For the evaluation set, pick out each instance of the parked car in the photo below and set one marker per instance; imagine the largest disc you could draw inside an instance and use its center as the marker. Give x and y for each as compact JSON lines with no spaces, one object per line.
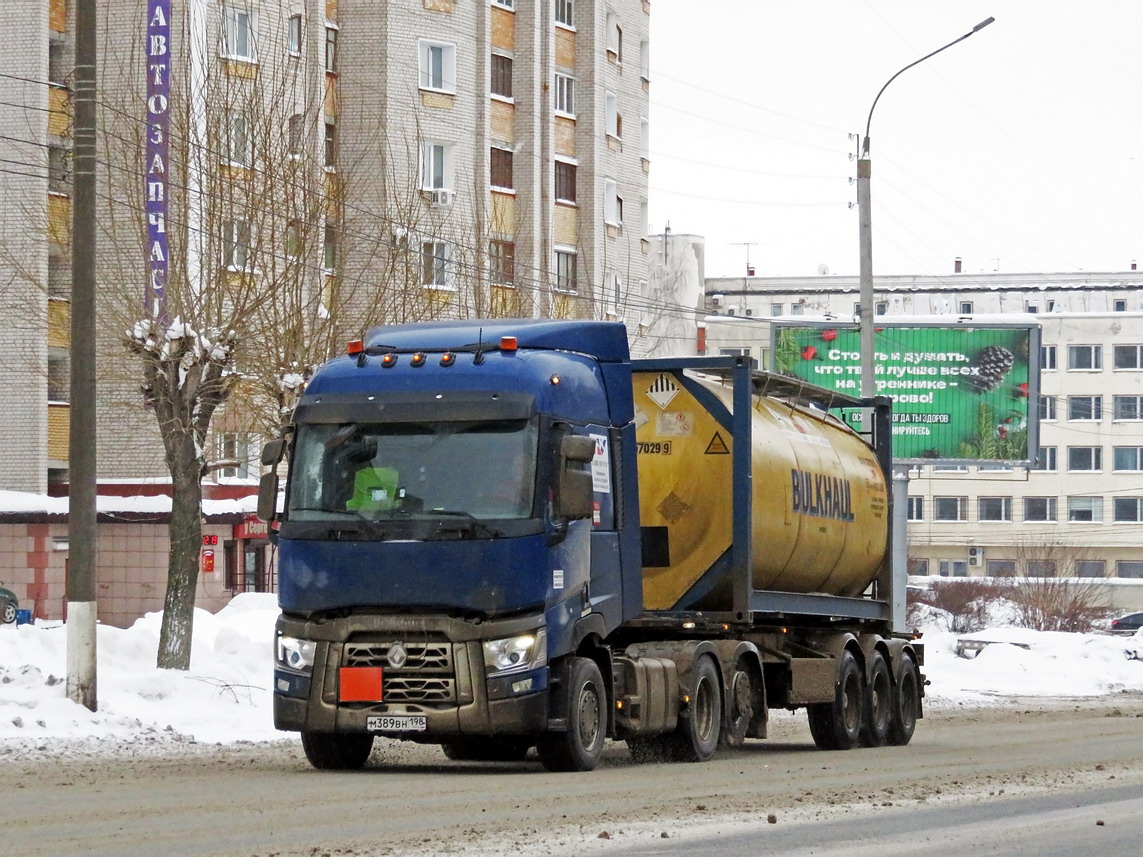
{"x":1130,"y":622}
{"x":8,"y":606}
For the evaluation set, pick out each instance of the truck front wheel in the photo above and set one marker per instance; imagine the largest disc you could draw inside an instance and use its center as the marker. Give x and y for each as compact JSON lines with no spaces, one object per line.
{"x":581,"y":746}
{"x":337,"y":751}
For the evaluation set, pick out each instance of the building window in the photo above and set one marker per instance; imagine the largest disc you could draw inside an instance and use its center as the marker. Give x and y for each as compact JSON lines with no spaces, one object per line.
{"x":1031,"y":308}
{"x":330,"y":143}
{"x":1041,"y":509}
{"x":236,"y":244}
{"x":501,"y":168}
{"x":1047,"y":357}
{"x":797,"y":309}
{"x":329,"y":247}
{"x":1085,"y":407}
{"x":611,"y":203}
{"x":1085,"y":509}
{"x":297,"y":129}
{"x":438,"y":66}
{"x":916,"y":508}
{"x":918,"y":567}
{"x":502,"y":76}
{"x":59,"y":170}
{"x":502,"y":262}
{"x":565,"y":181}
{"x":237,"y":143}
{"x":331,"y":49}
{"x":994,"y":468}
{"x":950,"y":509}
{"x":564,"y":12}
{"x":59,"y":374}
{"x":994,"y":508}
{"x":235,"y":451}
{"x":1085,"y":357}
{"x":1040,"y":568}
{"x":1128,"y":407}
{"x":966,"y":307}
{"x":238,"y":34}
{"x":1090,"y":568}
{"x":776,"y":309}
{"x":1047,"y":408}
{"x":503,"y":4}
{"x":1127,"y":457}
{"x":293,"y":243}
{"x":294,"y":35}
{"x":953,"y":568}
{"x":1127,"y":509}
{"x":1119,"y":305}
{"x":1085,"y":458}
{"x":434,"y":263}
{"x":1127,"y":356}
{"x":1128,"y":568}
{"x":1001,"y":568}
{"x":564,"y":91}
{"x":950,"y":468}
{"x":57,"y":70}
{"x":566,"y":271}
{"x":436,"y":166}
{"x":611,"y":115}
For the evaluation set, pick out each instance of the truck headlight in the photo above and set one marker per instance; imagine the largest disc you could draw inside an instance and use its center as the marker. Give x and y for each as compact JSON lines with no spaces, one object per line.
{"x":516,"y":654}
{"x":294,"y":653}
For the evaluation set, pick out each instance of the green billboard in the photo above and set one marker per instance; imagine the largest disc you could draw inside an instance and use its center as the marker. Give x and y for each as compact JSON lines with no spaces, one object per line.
{"x":960,"y":393}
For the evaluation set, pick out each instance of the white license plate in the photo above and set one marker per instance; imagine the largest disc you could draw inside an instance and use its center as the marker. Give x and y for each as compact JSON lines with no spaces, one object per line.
{"x":397,"y":723}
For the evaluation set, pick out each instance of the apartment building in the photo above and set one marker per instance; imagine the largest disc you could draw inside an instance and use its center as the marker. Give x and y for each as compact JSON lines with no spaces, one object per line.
{"x":1078,"y":510}
{"x":440,"y":158}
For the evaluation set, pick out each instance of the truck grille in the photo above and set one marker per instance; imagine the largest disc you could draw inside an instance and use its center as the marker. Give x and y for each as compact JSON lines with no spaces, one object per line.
{"x":426,"y":676}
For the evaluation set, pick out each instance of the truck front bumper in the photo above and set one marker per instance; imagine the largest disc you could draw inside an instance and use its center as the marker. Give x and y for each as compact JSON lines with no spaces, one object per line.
{"x":442,"y":678}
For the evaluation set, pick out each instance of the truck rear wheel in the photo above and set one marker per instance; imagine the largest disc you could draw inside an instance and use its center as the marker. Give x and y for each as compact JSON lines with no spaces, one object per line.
{"x":581,"y":746}
{"x":337,"y":751}
{"x":878,"y":703}
{"x":906,"y":703}
{"x":696,"y":737}
{"x":837,"y":725}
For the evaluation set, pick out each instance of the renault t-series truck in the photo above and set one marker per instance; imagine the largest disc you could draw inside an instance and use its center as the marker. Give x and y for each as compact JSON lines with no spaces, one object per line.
{"x":505,"y":534}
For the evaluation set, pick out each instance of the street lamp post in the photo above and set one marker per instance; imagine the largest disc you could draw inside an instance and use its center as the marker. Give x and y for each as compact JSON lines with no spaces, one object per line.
{"x":865,"y":228}
{"x":899,"y":558}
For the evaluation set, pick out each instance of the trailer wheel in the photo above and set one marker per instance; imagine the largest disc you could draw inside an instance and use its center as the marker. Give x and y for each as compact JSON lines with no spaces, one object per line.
{"x":581,"y":746}
{"x":906,"y":703}
{"x":696,"y":737}
{"x":837,"y":725}
{"x":487,"y":748}
{"x":878,"y":703}
{"x":337,"y":751}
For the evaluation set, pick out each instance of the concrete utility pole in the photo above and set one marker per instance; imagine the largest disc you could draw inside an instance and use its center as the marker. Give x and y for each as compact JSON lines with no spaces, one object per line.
{"x":900,"y":487}
{"x":81,"y":571}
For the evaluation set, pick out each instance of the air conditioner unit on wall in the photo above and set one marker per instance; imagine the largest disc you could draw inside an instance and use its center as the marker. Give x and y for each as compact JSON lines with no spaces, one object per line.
{"x":440,"y":196}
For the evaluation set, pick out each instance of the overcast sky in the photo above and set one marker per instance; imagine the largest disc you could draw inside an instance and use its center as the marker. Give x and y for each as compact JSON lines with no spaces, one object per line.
{"x":1018,"y":149}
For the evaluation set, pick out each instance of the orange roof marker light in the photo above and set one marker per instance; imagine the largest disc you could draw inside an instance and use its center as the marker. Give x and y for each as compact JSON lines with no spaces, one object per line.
{"x":355,"y":346}
{"x":418,"y":359}
{"x":389,"y":361}
{"x":448,"y":358}
{"x":508,"y":343}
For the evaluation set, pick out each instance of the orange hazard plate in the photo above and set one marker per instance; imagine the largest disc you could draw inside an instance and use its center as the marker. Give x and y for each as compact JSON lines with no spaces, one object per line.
{"x":360,"y":684}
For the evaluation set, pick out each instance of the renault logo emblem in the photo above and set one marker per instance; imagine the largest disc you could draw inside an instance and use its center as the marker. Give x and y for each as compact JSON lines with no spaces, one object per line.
{"x":397,"y":656}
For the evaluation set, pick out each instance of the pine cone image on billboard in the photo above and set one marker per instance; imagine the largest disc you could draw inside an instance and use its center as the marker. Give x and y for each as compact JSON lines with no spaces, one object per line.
{"x":992,"y":363}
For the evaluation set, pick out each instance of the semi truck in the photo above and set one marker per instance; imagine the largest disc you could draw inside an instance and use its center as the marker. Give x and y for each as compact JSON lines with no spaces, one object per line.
{"x":500,"y":535}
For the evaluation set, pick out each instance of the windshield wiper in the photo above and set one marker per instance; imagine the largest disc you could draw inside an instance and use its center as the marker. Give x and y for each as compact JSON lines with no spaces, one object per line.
{"x":474,"y":524}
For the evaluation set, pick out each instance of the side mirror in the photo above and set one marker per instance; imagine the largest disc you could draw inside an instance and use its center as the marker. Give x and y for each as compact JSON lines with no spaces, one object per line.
{"x":272,"y":452}
{"x":574,"y":485}
{"x":268,"y":496}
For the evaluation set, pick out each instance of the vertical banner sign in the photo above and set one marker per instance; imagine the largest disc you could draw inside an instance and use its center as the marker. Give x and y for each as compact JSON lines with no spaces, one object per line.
{"x":158,"y":127}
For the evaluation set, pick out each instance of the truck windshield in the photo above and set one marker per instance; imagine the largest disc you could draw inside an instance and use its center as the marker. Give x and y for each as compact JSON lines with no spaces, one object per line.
{"x":486,"y":470}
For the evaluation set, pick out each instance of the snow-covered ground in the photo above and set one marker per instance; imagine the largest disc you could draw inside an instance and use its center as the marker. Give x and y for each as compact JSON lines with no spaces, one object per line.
{"x":226,"y":695}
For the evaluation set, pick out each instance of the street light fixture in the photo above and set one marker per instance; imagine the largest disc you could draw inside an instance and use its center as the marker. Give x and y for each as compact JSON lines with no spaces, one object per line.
{"x":865,"y":229}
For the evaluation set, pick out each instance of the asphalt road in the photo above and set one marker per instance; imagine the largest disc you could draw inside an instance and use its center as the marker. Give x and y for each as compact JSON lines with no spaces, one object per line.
{"x":1020,"y":779}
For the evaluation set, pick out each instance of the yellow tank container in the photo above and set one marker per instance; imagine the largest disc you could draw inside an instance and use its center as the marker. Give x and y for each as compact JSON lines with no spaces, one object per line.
{"x":820,"y":502}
